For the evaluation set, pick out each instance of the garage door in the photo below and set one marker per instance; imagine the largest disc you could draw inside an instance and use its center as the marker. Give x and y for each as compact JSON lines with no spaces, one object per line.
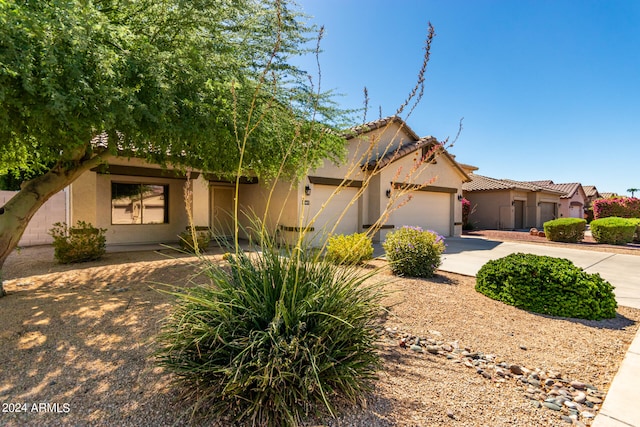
{"x":330,"y":215}
{"x":575,"y":210}
{"x":547,"y":211}
{"x":431,"y":211}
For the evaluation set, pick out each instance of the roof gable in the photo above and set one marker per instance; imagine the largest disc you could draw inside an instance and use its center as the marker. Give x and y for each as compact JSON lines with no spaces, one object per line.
{"x":414,"y":144}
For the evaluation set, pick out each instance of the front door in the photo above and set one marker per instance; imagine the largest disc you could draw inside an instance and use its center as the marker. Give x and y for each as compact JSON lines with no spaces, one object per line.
{"x":519,"y":214}
{"x":222,"y":212}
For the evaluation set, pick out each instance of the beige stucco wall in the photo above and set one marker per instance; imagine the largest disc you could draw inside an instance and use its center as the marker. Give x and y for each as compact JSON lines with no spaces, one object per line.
{"x":281,"y":210}
{"x":90,"y":201}
{"x":564,"y":207}
{"x":486,"y":209}
{"x":362,"y":148}
{"x":200,"y":201}
{"x":494,"y":209}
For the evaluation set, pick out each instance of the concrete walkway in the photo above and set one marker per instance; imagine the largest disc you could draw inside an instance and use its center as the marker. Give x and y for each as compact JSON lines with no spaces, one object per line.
{"x":621,"y":408}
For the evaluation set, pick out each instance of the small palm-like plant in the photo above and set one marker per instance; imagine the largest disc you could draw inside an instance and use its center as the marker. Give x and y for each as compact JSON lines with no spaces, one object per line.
{"x":275,"y":337}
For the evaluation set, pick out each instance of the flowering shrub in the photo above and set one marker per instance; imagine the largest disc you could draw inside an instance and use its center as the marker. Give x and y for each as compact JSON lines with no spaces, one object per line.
{"x":466,"y":211}
{"x":350,"y":249}
{"x":414,"y":252}
{"x":623,"y":207}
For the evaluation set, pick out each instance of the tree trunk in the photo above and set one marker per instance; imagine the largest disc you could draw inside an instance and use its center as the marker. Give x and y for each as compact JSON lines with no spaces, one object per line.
{"x":18,"y":211}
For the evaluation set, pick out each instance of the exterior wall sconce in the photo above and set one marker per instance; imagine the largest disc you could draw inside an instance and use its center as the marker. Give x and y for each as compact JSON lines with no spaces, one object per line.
{"x":459,"y":197}
{"x":388,"y":193}
{"x":307,"y":190}
{"x":513,"y":203}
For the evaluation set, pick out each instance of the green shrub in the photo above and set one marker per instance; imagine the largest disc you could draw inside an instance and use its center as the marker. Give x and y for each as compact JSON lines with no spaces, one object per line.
{"x":614,"y":230}
{"x":81,"y":243}
{"x":203,"y":238}
{"x":413,"y":252}
{"x":636,"y":236}
{"x":547,"y":285}
{"x":570,"y":230}
{"x":274,"y":337}
{"x":350,"y":249}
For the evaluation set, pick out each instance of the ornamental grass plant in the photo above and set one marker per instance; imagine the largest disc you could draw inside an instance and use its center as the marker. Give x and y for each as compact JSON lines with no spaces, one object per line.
{"x":274,"y":337}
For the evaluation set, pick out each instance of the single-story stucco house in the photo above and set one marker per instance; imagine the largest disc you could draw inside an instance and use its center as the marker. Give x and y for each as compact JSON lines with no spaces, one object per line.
{"x":138,"y":202}
{"x":506,"y":204}
{"x":573,"y":200}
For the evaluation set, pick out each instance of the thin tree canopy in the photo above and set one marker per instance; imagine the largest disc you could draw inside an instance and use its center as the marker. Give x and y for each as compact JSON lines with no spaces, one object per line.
{"x":165,"y":80}
{"x":187,"y":83}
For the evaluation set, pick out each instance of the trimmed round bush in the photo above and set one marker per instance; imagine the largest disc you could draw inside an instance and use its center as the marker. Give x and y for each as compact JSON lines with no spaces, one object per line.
{"x":547,"y":285}
{"x":614,"y":230}
{"x":413,"y":252}
{"x":569,"y":230}
{"x":349,"y":249}
{"x":275,"y":337}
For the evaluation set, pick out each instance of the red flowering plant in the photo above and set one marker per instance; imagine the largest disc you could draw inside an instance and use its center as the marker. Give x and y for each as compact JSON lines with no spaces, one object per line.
{"x":622,"y":207}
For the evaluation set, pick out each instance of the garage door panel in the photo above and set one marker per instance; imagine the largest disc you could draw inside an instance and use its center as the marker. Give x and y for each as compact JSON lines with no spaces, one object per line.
{"x":428,"y":210}
{"x":332,"y":214}
{"x":547,"y":211}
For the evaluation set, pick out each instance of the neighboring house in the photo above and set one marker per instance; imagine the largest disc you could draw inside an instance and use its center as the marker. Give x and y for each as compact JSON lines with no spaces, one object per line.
{"x":608,"y":195}
{"x":592,"y":193}
{"x":573,"y":201}
{"x":137,"y":202}
{"x":506,"y":204}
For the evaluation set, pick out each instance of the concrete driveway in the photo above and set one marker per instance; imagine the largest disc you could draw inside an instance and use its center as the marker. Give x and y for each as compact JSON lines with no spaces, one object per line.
{"x":465,"y":255}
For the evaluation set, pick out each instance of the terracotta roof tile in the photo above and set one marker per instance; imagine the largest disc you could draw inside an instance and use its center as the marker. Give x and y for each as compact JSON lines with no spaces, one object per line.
{"x":403,"y":150}
{"x":590,"y":190}
{"x":377,"y":124}
{"x":484,"y":183}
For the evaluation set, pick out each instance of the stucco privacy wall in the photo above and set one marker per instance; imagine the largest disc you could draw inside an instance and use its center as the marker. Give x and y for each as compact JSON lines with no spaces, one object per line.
{"x":37,"y":232}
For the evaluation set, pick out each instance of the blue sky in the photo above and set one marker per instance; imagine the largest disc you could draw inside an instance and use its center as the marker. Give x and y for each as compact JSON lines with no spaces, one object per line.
{"x":547,"y":89}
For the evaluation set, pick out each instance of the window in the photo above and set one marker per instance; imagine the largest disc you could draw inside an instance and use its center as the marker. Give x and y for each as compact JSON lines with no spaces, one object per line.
{"x":139,"y":203}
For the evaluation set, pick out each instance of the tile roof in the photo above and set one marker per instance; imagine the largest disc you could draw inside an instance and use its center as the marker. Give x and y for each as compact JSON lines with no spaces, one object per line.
{"x":403,"y":150}
{"x":484,"y":183}
{"x":590,"y":190}
{"x":377,"y":124}
{"x":568,"y":189}
{"x":608,"y":195}
{"x":544,"y":183}
{"x":406,"y":148}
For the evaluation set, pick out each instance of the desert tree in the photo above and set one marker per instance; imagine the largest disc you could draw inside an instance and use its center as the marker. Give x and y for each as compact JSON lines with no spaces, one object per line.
{"x":162,"y":80}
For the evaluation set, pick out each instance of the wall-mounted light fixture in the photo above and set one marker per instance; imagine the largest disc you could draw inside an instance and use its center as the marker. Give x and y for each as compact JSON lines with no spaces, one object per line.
{"x":459,"y":197}
{"x":388,"y":193}
{"x":513,"y":203}
{"x":307,"y":190}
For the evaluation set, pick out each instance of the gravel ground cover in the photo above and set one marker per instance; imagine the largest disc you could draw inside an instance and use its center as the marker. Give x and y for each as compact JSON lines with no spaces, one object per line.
{"x":77,"y":341}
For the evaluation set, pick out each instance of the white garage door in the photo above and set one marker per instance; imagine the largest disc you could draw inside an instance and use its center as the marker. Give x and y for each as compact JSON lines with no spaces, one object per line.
{"x":330,"y":215}
{"x":429,"y":210}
